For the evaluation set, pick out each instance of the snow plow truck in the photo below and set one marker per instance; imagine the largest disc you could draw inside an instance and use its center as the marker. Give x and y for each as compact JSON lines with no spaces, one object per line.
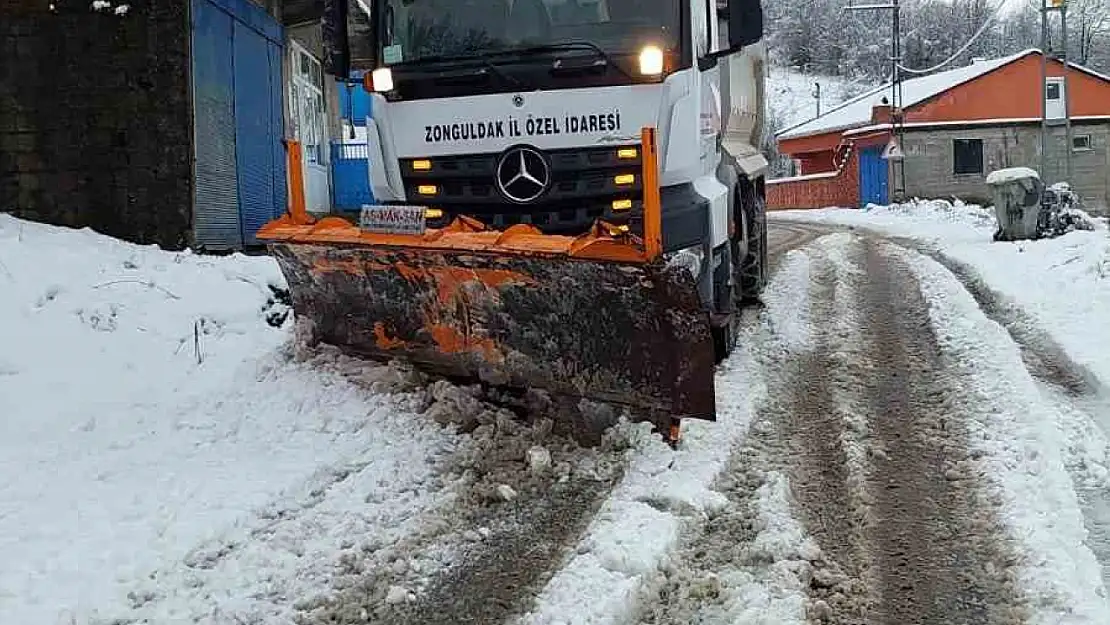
{"x":568,"y":196}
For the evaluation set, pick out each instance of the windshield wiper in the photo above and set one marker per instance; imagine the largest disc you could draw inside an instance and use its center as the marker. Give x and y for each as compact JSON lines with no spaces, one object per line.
{"x":567,"y":45}
{"x":487,"y":67}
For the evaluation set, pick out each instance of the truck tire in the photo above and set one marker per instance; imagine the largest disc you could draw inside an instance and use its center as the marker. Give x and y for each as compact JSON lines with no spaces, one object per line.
{"x":753,"y":268}
{"x":724,"y":336}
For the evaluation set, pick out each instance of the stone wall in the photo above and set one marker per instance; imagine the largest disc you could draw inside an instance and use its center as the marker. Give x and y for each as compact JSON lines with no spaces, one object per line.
{"x":929,"y":160}
{"x":95,"y":117}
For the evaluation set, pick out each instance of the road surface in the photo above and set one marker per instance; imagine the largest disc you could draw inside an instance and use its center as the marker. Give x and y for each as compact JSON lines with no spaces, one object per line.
{"x":859,"y":424}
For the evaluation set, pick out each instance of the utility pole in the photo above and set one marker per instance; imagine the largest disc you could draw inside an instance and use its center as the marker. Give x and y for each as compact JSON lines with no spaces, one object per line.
{"x":896,"y":114}
{"x":1061,"y":7}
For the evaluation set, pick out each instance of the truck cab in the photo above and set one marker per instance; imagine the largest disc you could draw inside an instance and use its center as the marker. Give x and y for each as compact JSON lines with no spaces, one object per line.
{"x":530,"y":112}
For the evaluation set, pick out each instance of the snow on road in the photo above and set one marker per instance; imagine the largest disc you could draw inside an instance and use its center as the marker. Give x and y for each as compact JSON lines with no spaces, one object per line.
{"x":616,"y":566}
{"x":1052,"y":298}
{"x":1017,"y":441}
{"x":1062,"y":283}
{"x":163,"y":456}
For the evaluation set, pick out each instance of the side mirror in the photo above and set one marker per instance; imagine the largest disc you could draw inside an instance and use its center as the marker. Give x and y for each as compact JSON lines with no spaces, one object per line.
{"x":745,"y":22}
{"x":337,"y":47}
{"x":745,"y":27}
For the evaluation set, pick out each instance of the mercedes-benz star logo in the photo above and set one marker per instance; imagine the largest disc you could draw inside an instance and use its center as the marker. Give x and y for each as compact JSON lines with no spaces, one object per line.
{"x":523,"y":174}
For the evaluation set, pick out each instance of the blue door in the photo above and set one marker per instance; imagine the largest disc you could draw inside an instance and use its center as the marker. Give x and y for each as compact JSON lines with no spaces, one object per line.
{"x":215,"y":188}
{"x":872,"y":176}
{"x":240,"y":182}
{"x":350,"y":165}
{"x":354,"y":102}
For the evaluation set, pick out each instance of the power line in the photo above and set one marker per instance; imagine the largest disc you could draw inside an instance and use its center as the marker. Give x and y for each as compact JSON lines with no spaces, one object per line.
{"x":982,"y":29}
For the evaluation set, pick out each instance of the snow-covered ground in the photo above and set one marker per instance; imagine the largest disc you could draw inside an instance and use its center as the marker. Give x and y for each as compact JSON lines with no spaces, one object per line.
{"x":1053,"y":297}
{"x":163,"y":455}
{"x":617,"y":563}
{"x":1017,"y":440}
{"x":166,"y":455}
{"x":1062,"y":283}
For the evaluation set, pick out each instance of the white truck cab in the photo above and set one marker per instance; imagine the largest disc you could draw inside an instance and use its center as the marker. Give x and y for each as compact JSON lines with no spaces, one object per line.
{"x":530,"y":111}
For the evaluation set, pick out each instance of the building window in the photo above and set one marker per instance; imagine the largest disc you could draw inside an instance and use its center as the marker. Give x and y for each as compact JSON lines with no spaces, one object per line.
{"x":1052,"y":91}
{"x":307,"y":103}
{"x":967,"y":156}
{"x":1081,"y":143}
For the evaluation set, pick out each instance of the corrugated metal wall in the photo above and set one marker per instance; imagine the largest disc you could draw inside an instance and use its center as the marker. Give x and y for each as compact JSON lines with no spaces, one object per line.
{"x":216,"y":199}
{"x":240,"y":168}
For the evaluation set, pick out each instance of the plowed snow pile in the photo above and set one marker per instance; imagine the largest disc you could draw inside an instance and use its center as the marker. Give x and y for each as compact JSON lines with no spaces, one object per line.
{"x":164,"y":455}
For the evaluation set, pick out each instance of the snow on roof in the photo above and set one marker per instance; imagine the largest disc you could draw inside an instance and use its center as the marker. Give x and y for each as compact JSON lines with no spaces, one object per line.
{"x":857,"y":111}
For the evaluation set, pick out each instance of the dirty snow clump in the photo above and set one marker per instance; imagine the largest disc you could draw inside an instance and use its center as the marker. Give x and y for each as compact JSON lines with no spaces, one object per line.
{"x":1063,"y":213}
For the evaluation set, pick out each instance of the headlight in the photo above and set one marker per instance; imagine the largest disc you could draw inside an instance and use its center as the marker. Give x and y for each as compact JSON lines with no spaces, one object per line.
{"x":651,"y":61}
{"x":382,"y":79}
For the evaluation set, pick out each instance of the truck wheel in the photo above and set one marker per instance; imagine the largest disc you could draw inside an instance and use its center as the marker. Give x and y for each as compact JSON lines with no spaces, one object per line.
{"x":724,"y":335}
{"x":724,"y":339}
{"x":753,"y":268}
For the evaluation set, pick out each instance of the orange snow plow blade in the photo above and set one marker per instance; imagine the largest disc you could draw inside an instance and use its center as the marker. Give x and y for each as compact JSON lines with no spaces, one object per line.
{"x":599,"y":316}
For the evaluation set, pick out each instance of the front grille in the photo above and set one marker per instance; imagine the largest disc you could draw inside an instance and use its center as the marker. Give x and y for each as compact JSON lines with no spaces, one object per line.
{"x":583,"y":188}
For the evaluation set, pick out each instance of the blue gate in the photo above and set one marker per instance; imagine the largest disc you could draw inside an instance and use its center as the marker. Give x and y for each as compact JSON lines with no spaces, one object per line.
{"x":350,"y":172}
{"x":240,"y":180}
{"x":872,"y":176}
{"x":354,"y":102}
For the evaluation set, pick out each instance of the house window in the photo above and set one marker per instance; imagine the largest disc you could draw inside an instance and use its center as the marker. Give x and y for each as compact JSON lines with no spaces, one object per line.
{"x":1081,"y":143}
{"x":307,"y":102}
{"x":1052,"y":91}
{"x":967,"y":156}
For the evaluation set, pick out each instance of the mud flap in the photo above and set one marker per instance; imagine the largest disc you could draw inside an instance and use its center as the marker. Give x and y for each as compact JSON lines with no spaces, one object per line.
{"x":623,"y":333}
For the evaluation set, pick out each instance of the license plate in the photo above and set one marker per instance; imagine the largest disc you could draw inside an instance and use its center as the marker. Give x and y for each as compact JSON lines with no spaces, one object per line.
{"x":392,"y":219}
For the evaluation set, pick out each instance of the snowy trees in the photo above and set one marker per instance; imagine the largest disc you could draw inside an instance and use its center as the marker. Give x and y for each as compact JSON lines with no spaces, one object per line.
{"x":820,"y":36}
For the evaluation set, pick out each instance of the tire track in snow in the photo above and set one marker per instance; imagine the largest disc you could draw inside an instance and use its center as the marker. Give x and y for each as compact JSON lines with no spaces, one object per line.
{"x":1018,"y":448}
{"x":514,"y":513}
{"x":753,"y":561}
{"x":1043,"y":356}
{"x":1084,"y":402}
{"x":899,"y":531}
{"x":935,"y":538}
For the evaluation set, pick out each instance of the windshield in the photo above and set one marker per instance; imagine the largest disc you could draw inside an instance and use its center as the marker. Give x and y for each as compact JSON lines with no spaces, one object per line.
{"x":415,"y":30}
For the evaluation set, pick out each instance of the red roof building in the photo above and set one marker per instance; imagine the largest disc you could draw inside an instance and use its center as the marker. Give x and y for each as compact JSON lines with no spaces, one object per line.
{"x":959,"y":125}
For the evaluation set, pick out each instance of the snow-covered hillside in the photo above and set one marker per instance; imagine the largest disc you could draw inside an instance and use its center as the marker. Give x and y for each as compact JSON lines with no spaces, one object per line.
{"x":790,"y":94}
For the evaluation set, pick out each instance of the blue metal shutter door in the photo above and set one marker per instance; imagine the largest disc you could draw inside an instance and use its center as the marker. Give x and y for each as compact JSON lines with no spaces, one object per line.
{"x":254,"y":153}
{"x":277,"y":130}
{"x":216,"y":203}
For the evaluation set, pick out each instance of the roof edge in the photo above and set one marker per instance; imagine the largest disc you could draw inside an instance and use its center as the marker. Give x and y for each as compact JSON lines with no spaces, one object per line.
{"x":1006,"y":60}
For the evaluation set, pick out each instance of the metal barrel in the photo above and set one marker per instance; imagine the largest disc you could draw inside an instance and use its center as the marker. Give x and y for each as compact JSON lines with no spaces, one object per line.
{"x":631,"y":334}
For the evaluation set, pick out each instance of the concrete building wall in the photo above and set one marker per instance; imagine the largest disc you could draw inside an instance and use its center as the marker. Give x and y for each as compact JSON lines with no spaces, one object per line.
{"x":930,"y":160}
{"x":96,"y":118}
